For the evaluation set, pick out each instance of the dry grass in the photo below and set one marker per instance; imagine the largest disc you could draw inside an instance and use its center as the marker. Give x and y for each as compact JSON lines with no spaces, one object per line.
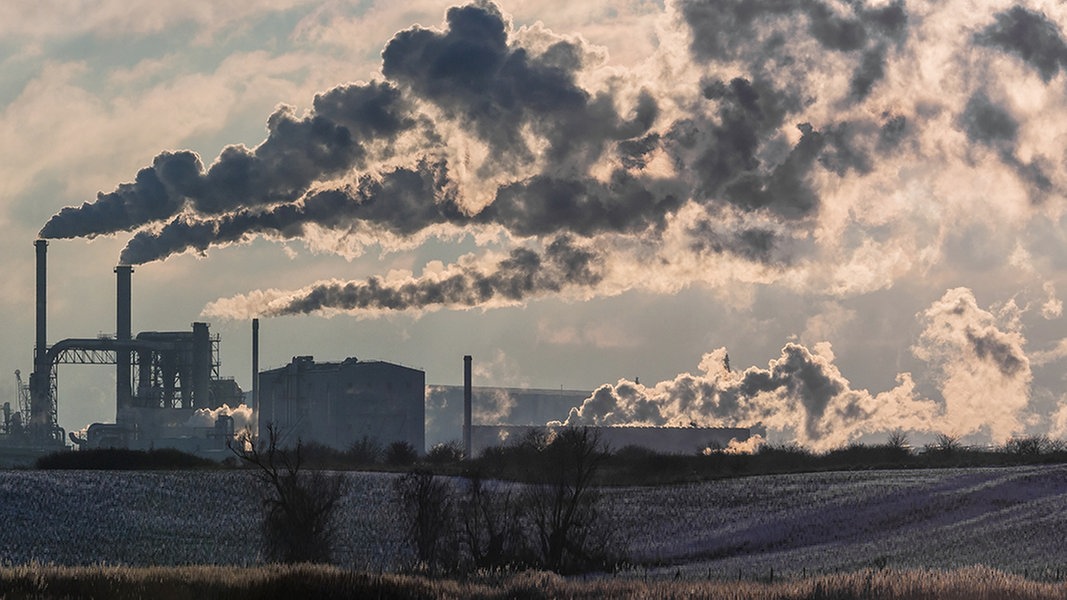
{"x":309,"y":581}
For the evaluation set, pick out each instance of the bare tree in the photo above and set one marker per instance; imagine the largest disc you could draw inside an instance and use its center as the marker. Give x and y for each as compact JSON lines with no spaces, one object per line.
{"x":492,"y":522}
{"x":564,"y":507}
{"x":299,"y":505}
{"x":947,"y":443}
{"x":898,"y":440}
{"x":428,"y":505}
{"x":554,"y":522}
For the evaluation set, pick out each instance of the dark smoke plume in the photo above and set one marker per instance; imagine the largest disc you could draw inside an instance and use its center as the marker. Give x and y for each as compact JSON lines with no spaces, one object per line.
{"x":472,"y":73}
{"x":525,"y":273}
{"x":404,"y":200}
{"x":750,"y":30}
{"x":1031,"y":36}
{"x":987,"y":122}
{"x":296,"y":153}
{"x":560,"y":161}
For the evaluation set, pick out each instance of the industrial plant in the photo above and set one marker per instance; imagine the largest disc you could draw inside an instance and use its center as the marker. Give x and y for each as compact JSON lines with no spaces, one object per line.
{"x":169,"y":393}
{"x":162,"y":379}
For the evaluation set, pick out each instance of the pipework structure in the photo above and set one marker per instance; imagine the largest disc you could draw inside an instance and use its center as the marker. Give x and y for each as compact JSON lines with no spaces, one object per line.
{"x":161,"y":377}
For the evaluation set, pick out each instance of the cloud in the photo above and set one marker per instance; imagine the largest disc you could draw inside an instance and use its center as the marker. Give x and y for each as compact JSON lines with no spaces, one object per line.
{"x":983,"y":372}
{"x":57,"y":19}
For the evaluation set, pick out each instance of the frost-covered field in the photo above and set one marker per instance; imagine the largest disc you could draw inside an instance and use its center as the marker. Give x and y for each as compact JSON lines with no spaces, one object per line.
{"x":168,"y":518}
{"x":1014,"y":519}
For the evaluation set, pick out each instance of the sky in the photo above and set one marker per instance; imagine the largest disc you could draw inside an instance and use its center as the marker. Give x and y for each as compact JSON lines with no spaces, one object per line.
{"x":836,"y":219}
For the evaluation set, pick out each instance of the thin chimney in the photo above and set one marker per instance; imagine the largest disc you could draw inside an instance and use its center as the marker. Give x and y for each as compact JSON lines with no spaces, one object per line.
{"x":42,"y":303}
{"x":255,"y":364}
{"x":467,"y":407}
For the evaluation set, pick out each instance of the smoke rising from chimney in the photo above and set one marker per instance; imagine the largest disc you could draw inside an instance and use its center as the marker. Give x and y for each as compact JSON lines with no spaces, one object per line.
{"x":298,"y":152}
{"x":983,"y":378}
{"x":801,"y":391}
{"x":559,"y":159}
{"x":523,"y":274}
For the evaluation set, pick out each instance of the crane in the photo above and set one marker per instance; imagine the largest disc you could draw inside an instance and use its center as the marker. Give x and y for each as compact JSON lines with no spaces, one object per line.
{"x":13,"y":423}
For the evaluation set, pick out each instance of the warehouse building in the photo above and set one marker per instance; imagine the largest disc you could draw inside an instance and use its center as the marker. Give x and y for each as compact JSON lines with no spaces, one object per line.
{"x":339,"y":403}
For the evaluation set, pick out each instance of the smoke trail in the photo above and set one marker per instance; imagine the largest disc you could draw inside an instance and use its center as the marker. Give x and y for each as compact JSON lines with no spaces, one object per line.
{"x":769,"y":133}
{"x":523,"y":274}
{"x":405,"y":201}
{"x":511,"y":98}
{"x":298,"y":151}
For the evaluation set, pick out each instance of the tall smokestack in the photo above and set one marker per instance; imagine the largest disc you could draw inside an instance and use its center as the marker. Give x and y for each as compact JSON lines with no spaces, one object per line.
{"x":123,"y":333}
{"x":255,"y":364}
{"x":467,"y":407}
{"x":40,"y":379}
{"x":42,"y":303}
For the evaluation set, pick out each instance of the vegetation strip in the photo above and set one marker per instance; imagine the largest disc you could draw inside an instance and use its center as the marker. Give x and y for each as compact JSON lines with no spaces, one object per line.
{"x":318,"y":581}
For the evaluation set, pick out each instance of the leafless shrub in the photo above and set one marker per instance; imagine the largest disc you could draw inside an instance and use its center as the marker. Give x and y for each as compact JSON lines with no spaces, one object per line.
{"x":946,"y":444}
{"x":364,"y":451}
{"x":428,"y":505}
{"x":898,"y":440}
{"x":493,"y":527}
{"x":564,"y":508}
{"x":399,"y":454}
{"x":444,"y":453}
{"x":1029,"y":446}
{"x":299,"y":505}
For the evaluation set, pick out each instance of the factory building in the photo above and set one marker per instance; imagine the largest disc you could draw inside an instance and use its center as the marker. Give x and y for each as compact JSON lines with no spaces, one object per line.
{"x":338,"y":403}
{"x":494,"y":405}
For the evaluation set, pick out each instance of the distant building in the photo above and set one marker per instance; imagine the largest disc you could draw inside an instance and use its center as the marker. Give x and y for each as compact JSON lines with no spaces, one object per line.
{"x":338,"y":403}
{"x":495,"y":405}
{"x":665,"y":440}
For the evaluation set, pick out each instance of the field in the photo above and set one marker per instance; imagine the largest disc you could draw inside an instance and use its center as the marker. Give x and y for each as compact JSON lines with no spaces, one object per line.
{"x":786,"y":527}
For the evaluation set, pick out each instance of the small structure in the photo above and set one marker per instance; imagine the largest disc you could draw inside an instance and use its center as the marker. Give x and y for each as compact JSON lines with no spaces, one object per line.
{"x":340,"y":403}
